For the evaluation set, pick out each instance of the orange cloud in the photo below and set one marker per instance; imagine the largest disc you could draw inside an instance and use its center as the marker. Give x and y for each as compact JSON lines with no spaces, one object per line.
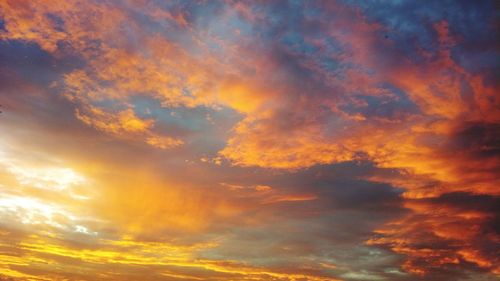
{"x":294,"y":114}
{"x":443,"y":232}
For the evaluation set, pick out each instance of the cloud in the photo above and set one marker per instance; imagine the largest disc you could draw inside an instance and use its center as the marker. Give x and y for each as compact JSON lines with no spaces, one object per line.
{"x":449,"y":231}
{"x":365,"y":132}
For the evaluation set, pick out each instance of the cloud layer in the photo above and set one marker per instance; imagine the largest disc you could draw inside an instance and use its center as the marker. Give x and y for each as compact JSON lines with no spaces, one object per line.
{"x":242,"y":140}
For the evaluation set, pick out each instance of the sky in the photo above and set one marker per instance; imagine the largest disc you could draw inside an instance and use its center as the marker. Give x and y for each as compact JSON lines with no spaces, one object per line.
{"x":249,"y":140}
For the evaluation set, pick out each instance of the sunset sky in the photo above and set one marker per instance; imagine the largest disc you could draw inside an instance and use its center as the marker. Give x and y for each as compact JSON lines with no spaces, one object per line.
{"x":249,"y":140}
